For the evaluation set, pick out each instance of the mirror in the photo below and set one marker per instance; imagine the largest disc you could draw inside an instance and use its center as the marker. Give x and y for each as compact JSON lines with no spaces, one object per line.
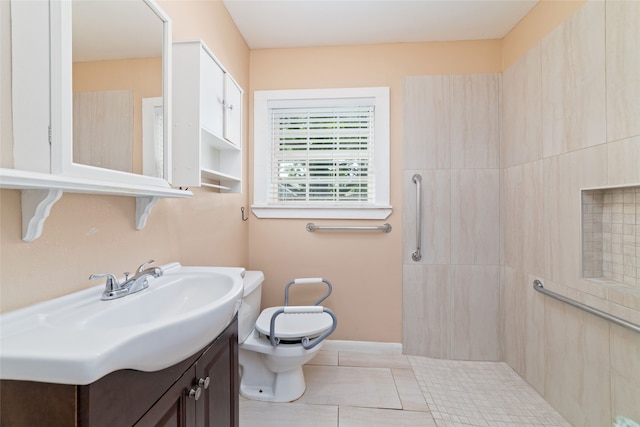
{"x":117,"y":84}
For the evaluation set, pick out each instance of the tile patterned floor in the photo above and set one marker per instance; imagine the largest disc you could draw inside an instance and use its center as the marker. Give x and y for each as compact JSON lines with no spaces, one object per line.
{"x":353,"y":389}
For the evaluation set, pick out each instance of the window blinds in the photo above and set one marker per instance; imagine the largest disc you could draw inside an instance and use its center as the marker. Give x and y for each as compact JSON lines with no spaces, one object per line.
{"x":322,"y":155}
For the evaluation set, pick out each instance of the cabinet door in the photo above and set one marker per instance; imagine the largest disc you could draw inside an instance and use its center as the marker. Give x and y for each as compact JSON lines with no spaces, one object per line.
{"x":233,"y":111}
{"x":175,"y":408}
{"x":212,"y":94}
{"x":218,"y":406}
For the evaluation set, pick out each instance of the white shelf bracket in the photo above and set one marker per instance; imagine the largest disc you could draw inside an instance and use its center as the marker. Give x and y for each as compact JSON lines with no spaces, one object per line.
{"x":143,"y":209}
{"x":36,"y":206}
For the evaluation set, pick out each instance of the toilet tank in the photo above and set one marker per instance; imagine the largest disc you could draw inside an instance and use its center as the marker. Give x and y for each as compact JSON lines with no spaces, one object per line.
{"x":250,"y":308}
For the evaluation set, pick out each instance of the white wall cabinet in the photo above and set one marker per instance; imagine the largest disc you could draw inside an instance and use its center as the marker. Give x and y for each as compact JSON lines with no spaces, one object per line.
{"x":207,"y":120}
{"x":233,"y":111}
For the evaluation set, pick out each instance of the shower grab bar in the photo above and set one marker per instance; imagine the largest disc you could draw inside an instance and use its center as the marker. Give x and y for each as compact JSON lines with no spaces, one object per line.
{"x":311,"y":227}
{"x":417,"y":254}
{"x":537,"y":285}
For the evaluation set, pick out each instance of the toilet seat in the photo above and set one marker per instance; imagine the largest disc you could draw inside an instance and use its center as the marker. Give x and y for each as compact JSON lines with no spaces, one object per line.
{"x":294,"y":326}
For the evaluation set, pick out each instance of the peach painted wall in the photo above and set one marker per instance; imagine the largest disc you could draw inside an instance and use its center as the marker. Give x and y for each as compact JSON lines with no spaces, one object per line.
{"x":92,"y":234}
{"x":365,"y":269}
{"x":540,"y":21}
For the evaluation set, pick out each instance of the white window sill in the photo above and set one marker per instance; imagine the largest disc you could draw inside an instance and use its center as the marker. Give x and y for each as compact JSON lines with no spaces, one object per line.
{"x":315,"y":212}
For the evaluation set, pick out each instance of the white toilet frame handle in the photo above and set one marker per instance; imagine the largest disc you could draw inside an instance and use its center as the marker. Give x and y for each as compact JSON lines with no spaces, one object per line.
{"x":306,"y":342}
{"x":308,"y":281}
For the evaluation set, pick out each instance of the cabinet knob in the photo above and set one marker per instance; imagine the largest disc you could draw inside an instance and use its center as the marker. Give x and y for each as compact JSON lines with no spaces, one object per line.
{"x":195,"y":393}
{"x":204,"y":382}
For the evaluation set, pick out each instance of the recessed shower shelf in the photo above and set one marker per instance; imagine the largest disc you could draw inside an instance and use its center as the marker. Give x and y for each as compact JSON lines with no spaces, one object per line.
{"x":610,"y":236}
{"x":40,"y":191}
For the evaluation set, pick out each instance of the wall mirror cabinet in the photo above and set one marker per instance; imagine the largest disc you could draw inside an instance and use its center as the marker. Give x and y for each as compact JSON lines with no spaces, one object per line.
{"x":89,"y":99}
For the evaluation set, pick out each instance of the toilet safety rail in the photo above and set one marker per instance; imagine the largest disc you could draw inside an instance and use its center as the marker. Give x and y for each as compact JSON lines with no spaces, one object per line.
{"x":295,"y":309}
{"x":308,"y":281}
{"x":537,"y":285}
{"x":311,"y":227}
{"x":417,"y":254}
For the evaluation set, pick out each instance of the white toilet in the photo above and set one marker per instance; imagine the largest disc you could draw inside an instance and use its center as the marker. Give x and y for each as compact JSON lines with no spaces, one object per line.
{"x":274,"y":344}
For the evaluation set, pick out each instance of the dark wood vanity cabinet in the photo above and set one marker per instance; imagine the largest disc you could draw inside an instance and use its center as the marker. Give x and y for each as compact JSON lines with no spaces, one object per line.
{"x":200,"y":391}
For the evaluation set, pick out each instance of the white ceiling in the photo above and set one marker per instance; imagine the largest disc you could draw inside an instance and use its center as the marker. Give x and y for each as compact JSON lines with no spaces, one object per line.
{"x":303,"y":23}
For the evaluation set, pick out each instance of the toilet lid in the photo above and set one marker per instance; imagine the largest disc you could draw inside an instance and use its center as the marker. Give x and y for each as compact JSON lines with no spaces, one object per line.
{"x":291,"y":326}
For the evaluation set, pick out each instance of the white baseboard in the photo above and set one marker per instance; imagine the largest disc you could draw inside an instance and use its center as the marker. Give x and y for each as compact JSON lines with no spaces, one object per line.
{"x":363,"y":346}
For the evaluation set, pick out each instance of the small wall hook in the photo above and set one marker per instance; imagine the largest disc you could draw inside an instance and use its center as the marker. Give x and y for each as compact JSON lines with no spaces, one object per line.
{"x":242,"y":210}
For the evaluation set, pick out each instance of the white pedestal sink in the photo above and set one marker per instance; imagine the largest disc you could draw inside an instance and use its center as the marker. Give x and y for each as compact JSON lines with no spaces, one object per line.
{"x":78,"y":338}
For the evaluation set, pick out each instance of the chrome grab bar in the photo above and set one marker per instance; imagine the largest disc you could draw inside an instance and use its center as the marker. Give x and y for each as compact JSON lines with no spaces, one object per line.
{"x":311,"y":227}
{"x":417,"y":254}
{"x":537,"y":285}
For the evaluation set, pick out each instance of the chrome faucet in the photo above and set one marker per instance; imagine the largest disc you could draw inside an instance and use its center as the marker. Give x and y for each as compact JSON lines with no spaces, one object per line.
{"x":129,"y":286}
{"x":140,"y":280}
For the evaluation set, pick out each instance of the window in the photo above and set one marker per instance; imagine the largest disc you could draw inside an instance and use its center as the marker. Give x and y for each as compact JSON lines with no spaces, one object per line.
{"x":322,"y":153}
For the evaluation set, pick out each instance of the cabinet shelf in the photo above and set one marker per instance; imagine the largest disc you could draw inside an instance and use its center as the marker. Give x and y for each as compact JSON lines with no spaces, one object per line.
{"x":218,"y":176}
{"x":40,"y":191}
{"x":210,"y":138}
{"x":228,"y":183}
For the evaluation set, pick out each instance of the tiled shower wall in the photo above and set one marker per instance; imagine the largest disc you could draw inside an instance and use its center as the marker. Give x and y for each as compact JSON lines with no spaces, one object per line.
{"x":611,"y":236}
{"x":569,"y":116}
{"x":570,"y":121}
{"x":451,"y":297}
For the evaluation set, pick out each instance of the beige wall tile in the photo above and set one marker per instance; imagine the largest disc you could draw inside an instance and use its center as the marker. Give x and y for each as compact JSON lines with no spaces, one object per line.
{"x":561,"y":351}
{"x":524,"y":231}
{"x":502,"y":211}
{"x":577,"y":373}
{"x":623,"y":69}
{"x":475,"y":216}
{"x":532,"y":219}
{"x":534,"y":357}
{"x":426,"y":314}
{"x":625,"y":373}
{"x":475,"y":313}
{"x":573,"y":82}
{"x":564,"y":177}
{"x":623,"y":159}
{"x":426,"y":123}
{"x":522,"y":110}
{"x":514,"y":199}
{"x":524,"y":334}
{"x":474,"y":223}
{"x":475,"y":120}
{"x":514,"y":323}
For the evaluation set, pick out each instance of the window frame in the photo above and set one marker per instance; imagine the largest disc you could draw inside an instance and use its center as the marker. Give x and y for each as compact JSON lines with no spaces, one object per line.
{"x":262,"y":207}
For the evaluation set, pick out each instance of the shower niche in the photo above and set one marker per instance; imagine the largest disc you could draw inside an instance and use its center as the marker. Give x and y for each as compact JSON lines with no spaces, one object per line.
{"x":611,"y":236}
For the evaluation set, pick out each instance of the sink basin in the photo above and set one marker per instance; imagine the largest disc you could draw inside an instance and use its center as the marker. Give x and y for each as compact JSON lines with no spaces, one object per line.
{"x":78,"y":338}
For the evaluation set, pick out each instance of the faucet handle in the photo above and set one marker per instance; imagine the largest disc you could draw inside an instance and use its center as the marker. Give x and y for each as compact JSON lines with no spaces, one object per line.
{"x":141,"y":268}
{"x":112,"y":281}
